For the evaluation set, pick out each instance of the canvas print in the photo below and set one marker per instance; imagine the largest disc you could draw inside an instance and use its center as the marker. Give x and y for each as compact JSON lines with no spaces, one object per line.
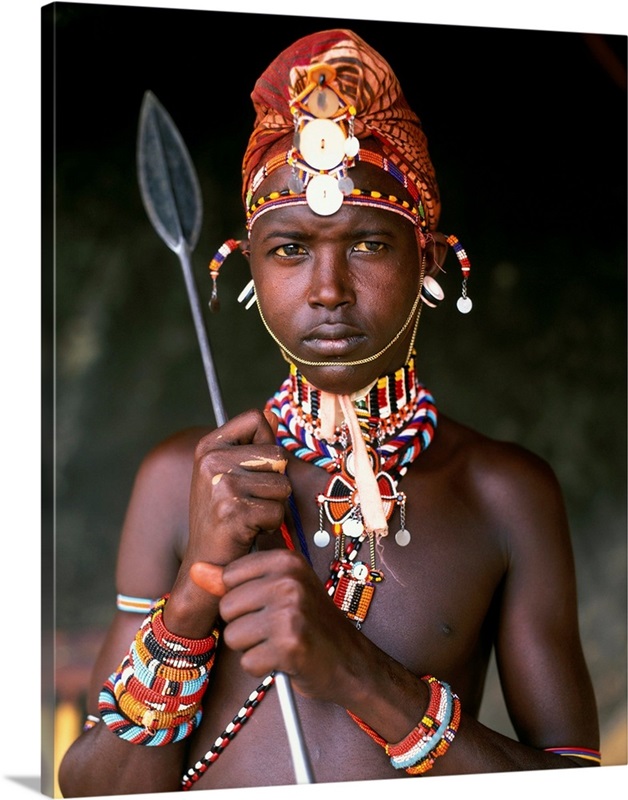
{"x":334,"y":377}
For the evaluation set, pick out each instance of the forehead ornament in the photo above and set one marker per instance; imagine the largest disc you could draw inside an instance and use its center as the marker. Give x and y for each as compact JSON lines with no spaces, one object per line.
{"x":324,"y":146}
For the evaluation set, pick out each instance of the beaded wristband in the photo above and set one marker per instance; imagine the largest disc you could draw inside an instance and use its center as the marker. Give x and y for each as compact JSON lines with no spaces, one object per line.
{"x":154,"y":697}
{"x":441,"y":747}
{"x":424,"y":738}
{"x":433,"y":717}
{"x":168,"y":700}
{"x":125,"y":729}
{"x":165,"y":671}
{"x":179,"y":644}
{"x":431,"y":738}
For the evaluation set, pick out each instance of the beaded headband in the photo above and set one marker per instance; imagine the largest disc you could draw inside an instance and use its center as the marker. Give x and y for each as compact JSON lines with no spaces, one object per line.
{"x":356,"y":197}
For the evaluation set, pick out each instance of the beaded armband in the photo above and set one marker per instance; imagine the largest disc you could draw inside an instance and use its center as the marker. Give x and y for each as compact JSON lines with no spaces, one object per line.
{"x":155,"y":695}
{"x":135,"y":605}
{"x":577,"y":752}
{"x":432,"y":736}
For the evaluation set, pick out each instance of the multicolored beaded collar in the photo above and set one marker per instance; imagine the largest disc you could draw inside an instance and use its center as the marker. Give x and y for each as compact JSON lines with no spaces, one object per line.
{"x":397,"y":416}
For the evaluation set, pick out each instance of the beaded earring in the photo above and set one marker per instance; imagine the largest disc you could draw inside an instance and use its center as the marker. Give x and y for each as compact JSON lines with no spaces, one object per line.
{"x":214,"y":267}
{"x":464,"y":303}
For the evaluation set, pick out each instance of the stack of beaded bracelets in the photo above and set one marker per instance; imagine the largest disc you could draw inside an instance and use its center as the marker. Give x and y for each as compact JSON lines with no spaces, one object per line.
{"x":432,"y":736}
{"x":155,"y":695}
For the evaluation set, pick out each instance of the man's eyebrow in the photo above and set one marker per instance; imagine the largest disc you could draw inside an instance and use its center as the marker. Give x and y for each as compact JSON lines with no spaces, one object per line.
{"x":370,"y":233}
{"x":351,"y":233}
{"x":284,"y":233}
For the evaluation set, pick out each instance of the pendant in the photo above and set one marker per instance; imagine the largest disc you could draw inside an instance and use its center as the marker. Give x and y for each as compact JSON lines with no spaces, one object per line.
{"x":321,"y":538}
{"x":355,"y":589}
{"x":402,"y":537}
{"x":340,"y":503}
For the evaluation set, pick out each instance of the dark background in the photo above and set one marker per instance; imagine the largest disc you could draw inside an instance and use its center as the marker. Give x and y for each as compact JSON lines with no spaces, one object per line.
{"x":527,"y":131}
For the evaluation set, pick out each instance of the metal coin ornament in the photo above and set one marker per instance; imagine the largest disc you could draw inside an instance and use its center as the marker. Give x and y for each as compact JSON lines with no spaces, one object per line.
{"x":321,"y":538}
{"x":345,"y":184}
{"x":464,"y":305}
{"x":295,"y":183}
{"x":352,"y":146}
{"x":403,"y":537}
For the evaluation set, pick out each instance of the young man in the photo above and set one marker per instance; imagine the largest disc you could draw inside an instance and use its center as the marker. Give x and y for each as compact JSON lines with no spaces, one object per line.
{"x":349,"y":535}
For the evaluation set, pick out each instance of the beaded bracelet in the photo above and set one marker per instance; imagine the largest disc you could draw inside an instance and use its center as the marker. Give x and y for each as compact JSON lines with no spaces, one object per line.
{"x":417,"y":752}
{"x":577,"y":752}
{"x":155,"y":695}
{"x":136,"y":734}
{"x":422,"y":739}
{"x":445,"y":739}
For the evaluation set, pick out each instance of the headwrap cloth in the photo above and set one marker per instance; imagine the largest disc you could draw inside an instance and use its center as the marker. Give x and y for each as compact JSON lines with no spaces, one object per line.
{"x":367,"y":81}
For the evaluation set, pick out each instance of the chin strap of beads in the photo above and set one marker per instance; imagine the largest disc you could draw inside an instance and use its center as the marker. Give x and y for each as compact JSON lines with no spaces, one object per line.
{"x":431,"y":738}
{"x":155,"y":695}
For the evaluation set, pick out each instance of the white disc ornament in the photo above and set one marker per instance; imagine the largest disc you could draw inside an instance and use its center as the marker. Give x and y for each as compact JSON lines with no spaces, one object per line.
{"x":464,"y":305}
{"x":352,"y":146}
{"x":322,"y":144}
{"x":323,"y":195}
{"x":402,"y":537}
{"x":352,"y":527}
{"x":322,"y":538}
{"x":360,"y":571}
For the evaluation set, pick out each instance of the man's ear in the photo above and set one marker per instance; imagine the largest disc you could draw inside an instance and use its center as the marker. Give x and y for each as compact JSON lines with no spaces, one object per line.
{"x":245,"y":249}
{"x":435,"y":252}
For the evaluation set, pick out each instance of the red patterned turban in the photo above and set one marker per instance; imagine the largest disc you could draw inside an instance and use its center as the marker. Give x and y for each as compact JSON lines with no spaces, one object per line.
{"x":367,"y":81}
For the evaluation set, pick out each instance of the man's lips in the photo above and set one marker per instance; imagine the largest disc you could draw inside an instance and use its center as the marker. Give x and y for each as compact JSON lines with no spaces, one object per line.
{"x":334,"y":339}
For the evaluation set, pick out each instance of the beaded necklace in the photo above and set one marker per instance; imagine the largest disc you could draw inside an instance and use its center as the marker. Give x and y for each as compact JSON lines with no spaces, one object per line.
{"x":397,"y":418}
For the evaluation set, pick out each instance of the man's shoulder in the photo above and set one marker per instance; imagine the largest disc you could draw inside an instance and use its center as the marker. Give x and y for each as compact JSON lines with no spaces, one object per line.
{"x":175,"y":452}
{"x":479,"y":453}
{"x":181,"y":442}
{"x":501,"y":475}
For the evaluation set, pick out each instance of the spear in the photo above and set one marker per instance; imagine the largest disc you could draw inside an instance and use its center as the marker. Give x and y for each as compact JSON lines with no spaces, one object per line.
{"x":172,"y":198}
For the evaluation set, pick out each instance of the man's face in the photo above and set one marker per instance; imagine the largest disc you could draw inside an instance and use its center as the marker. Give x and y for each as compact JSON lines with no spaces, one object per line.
{"x":337,"y":288}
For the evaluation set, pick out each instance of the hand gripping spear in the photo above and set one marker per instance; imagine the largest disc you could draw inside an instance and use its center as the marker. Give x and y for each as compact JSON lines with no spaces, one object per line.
{"x":172,"y":198}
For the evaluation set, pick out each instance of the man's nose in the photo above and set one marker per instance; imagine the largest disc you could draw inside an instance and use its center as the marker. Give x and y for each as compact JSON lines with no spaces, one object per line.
{"x":331,"y":283}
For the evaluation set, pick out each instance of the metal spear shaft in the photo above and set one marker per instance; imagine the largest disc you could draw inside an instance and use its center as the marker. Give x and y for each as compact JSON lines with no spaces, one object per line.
{"x":172,"y":198}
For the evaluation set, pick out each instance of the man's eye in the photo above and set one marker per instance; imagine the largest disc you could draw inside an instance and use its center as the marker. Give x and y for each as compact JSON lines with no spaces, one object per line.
{"x":368,"y":247}
{"x":287,"y":250}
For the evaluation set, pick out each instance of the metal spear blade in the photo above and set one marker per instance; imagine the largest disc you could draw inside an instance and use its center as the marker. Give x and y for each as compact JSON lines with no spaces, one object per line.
{"x":171,"y":195}
{"x":168,"y":182}
{"x":172,"y":198}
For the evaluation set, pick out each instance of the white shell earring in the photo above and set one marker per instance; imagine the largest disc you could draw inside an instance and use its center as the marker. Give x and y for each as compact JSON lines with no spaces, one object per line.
{"x":247,"y":296}
{"x":431,"y":292}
